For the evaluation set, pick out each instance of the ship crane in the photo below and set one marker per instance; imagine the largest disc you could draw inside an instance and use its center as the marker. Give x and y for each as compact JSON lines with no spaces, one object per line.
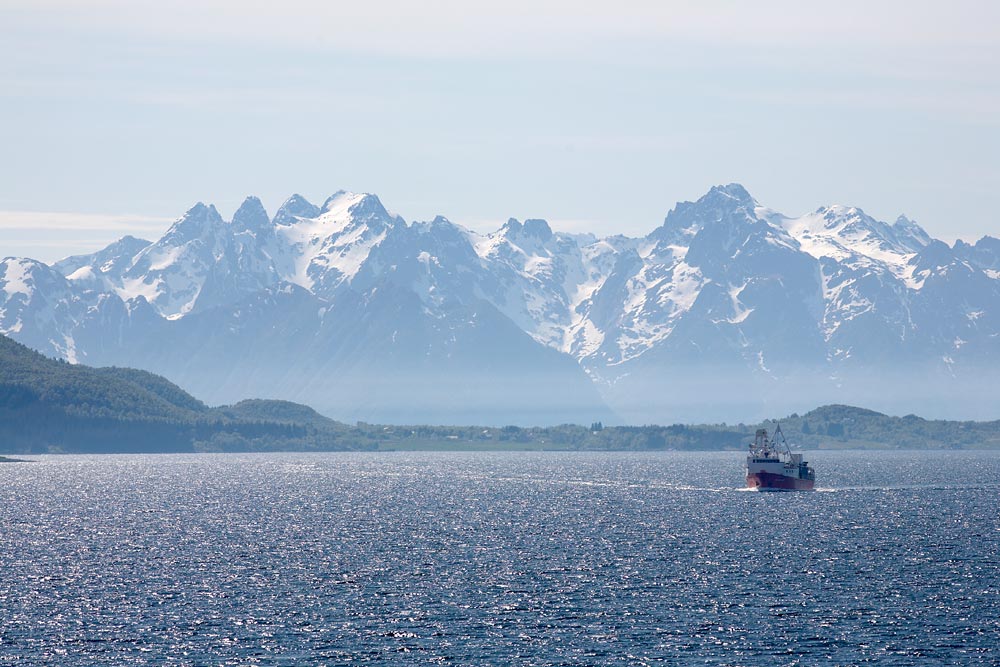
{"x":764,"y":447}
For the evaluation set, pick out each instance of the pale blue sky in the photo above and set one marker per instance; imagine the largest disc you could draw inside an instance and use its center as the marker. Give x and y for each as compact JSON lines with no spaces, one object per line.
{"x":118,"y":115}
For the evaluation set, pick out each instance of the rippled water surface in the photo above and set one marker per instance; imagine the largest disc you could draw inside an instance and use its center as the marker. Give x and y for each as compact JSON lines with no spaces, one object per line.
{"x":498,"y":558}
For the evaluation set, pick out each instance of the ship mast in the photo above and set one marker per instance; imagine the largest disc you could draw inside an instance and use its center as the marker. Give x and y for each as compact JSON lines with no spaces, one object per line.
{"x":765,"y":447}
{"x":777,"y":434}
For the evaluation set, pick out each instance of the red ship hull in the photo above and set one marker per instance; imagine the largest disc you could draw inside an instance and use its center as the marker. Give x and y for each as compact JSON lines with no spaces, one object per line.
{"x":766,"y":481}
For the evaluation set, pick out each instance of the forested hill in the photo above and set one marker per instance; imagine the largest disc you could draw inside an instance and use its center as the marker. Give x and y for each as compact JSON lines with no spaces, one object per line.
{"x":843,"y":426}
{"x":30,"y":380}
{"x":48,"y":405}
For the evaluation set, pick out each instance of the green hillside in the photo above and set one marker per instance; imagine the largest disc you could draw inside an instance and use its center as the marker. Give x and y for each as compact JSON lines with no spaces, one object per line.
{"x":31,"y":381}
{"x":841,"y":426}
{"x":255,"y":409}
{"x":52,"y":406}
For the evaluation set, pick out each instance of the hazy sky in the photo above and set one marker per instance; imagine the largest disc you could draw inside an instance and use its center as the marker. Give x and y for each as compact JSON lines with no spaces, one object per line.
{"x":116,"y":116}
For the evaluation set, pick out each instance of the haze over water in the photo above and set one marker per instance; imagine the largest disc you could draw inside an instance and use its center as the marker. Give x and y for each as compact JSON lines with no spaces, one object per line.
{"x":499,"y":558}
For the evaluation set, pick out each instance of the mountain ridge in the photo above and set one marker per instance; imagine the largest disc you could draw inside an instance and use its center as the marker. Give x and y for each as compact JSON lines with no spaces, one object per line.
{"x":727,"y":305}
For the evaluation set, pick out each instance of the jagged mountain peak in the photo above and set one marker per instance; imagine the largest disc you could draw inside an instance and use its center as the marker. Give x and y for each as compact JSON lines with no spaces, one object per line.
{"x":337,"y":197}
{"x":171,"y":273}
{"x":357,"y":203}
{"x":22,"y":276}
{"x":438,"y":243}
{"x":910,"y":233}
{"x":201,"y":210}
{"x":836,"y":214}
{"x":851,"y":222}
{"x":514,"y":238}
{"x":326,"y":251}
{"x":538,"y":228}
{"x":251,"y":215}
{"x":840,"y":232}
{"x":535,"y":228}
{"x":722,"y":203}
{"x":22,"y":263}
{"x":440,"y":224}
{"x":295,"y":207}
{"x":345,"y":210}
{"x":127,"y":245}
{"x":733,"y":191}
{"x":198,"y":219}
{"x":512,"y":226}
{"x":936,"y":254}
{"x":111,"y":260}
{"x":985,"y":253}
{"x":129,"y":240}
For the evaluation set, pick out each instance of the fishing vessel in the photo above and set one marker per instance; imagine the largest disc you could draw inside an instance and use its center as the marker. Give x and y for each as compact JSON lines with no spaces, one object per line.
{"x":771,"y":465}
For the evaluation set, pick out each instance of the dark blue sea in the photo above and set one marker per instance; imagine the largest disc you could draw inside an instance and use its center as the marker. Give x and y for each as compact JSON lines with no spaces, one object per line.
{"x":498,"y":559}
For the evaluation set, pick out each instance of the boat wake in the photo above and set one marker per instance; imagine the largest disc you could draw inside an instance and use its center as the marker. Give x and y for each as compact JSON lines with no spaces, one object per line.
{"x":911,"y":487}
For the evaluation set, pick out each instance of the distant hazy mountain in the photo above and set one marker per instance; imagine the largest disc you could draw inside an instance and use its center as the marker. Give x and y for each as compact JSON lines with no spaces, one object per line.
{"x":728,"y":310}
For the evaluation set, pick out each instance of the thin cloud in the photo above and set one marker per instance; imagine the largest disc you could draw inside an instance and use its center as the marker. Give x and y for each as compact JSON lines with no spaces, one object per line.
{"x":49,"y":236}
{"x":41,"y":221}
{"x":447,"y":28}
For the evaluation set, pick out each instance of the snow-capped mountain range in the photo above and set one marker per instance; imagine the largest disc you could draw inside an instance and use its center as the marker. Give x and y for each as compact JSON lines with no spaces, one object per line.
{"x":728,"y":310}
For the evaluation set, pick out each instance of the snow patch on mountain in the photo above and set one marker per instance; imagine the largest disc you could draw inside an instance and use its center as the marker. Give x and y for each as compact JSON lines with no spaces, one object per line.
{"x":84,"y":275}
{"x":145,"y":288}
{"x":329,"y":249}
{"x":849,"y":235}
{"x":740,"y":310}
{"x":170,"y":273}
{"x":17,"y":276}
